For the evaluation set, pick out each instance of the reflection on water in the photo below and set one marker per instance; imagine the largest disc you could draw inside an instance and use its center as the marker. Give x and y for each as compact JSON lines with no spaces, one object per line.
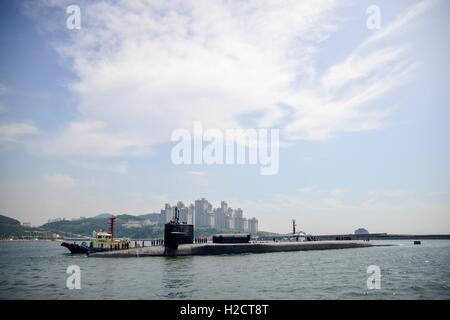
{"x":37,"y":270}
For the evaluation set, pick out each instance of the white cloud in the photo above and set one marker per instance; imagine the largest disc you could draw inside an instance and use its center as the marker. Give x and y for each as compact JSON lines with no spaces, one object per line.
{"x":12,"y":132}
{"x":197,"y":173}
{"x":146,"y":68}
{"x":306,"y":189}
{"x":119,"y":168}
{"x":439,"y":193}
{"x":60,"y":181}
{"x":338,"y":193}
{"x":401,"y":22}
{"x":388,"y":193}
{"x":93,"y":138}
{"x":366,"y":57}
{"x":198,"y":177}
{"x":335,"y":102}
{"x":356,"y":67}
{"x":3,"y":89}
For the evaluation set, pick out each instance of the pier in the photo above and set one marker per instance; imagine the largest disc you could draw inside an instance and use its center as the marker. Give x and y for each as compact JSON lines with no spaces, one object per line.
{"x":234,"y":248}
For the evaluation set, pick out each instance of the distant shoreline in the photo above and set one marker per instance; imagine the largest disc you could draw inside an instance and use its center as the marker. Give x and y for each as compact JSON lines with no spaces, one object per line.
{"x":387,"y":236}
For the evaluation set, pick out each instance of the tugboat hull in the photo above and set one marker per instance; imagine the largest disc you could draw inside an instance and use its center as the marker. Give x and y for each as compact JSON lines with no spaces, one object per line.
{"x":75,"y":248}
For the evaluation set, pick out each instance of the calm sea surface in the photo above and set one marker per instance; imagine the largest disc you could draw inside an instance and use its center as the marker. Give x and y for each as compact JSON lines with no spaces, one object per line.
{"x":37,"y":270}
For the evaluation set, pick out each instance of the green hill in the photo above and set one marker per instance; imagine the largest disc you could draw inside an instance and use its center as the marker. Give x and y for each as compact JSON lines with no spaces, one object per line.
{"x":8,"y":220}
{"x":86,"y":226}
{"x":103,"y":216}
{"x":12,"y":228}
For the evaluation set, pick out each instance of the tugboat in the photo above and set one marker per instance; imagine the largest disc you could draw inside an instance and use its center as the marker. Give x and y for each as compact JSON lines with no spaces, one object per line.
{"x":104,"y":241}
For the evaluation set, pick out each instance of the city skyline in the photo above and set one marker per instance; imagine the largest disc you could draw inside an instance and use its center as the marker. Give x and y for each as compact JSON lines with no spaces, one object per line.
{"x":87,"y":114}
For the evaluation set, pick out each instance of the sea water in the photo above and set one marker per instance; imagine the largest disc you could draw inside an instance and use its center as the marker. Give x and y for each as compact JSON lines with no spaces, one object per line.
{"x":38,"y":270}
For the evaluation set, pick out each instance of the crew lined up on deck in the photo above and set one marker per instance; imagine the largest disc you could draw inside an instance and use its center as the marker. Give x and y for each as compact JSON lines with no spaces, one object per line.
{"x":153,"y":243}
{"x":136,"y":245}
{"x":157,"y":242}
{"x":201,"y":240}
{"x":118,"y":246}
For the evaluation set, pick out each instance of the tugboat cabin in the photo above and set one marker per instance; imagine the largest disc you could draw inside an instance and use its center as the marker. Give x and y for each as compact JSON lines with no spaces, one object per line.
{"x":104,"y":240}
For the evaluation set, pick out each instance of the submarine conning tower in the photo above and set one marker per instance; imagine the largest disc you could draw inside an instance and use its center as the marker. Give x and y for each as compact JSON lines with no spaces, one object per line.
{"x":176,"y":233}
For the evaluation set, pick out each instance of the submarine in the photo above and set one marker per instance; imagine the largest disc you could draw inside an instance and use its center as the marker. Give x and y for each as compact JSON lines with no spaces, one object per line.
{"x":179,"y":241}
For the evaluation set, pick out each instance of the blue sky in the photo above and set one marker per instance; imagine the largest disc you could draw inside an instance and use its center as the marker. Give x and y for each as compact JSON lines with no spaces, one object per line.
{"x":86,"y":115}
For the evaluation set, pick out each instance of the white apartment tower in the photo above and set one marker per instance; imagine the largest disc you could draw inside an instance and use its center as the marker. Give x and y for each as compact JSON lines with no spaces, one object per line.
{"x":253,"y":225}
{"x":168,"y":213}
{"x":229,"y":219}
{"x":239,"y":220}
{"x":221,"y":216}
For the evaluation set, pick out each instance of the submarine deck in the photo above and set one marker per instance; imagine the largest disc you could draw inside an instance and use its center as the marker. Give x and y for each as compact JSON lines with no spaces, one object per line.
{"x":233,"y":248}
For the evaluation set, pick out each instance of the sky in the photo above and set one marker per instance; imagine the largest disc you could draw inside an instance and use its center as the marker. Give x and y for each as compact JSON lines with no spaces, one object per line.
{"x":86,"y":115}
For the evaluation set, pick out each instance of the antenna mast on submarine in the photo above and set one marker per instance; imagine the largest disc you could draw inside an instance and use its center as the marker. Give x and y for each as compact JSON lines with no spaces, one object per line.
{"x":177,"y":215}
